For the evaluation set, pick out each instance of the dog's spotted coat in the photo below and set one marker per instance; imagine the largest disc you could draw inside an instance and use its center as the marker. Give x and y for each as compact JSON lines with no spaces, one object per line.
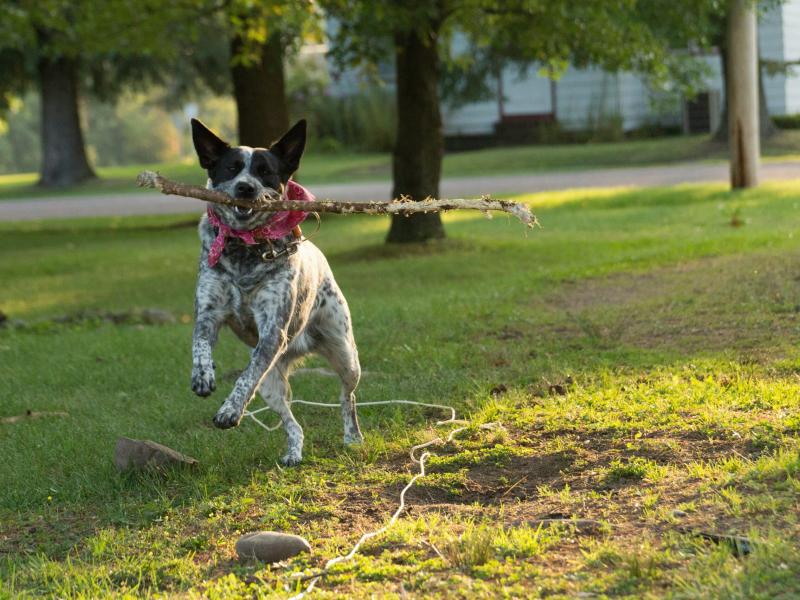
{"x":284,"y":308}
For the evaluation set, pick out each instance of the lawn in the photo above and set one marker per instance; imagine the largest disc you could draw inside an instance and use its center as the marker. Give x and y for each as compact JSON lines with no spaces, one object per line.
{"x":348,"y":167}
{"x":639,"y":350}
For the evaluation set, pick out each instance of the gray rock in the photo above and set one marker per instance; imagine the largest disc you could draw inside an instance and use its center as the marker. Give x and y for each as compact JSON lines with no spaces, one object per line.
{"x":270,"y":546}
{"x":141,"y":454}
{"x":679,"y":514}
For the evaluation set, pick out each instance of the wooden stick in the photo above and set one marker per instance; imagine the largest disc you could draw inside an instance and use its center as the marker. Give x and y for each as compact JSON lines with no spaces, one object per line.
{"x":402,"y":206}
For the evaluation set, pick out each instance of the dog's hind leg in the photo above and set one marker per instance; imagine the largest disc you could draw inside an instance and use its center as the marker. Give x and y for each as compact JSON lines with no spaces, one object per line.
{"x":337,"y":345}
{"x":344,"y":360}
{"x":277,"y":393}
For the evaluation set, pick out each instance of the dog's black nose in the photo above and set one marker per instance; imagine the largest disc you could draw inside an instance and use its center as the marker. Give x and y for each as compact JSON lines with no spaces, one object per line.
{"x":245,"y":189}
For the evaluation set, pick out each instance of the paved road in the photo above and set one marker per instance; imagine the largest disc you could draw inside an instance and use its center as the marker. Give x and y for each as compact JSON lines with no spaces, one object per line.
{"x":153,"y":203}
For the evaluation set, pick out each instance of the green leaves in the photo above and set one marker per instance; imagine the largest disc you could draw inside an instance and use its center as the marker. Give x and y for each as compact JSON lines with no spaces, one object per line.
{"x":632,"y":35}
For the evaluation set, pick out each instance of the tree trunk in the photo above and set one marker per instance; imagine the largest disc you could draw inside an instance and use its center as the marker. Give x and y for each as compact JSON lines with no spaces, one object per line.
{"x":63,"y":153}
{"x":417,"y":159}
{"x":260,"y":92}
{"x":766,"y":128}
{"x":744,"y":143}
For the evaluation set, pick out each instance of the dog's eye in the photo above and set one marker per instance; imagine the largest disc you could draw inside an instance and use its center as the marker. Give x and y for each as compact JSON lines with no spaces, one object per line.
{"x":235,"y":167}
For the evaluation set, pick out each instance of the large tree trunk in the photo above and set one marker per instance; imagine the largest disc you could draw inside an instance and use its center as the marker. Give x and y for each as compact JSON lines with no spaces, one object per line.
{"x":766,"y":127}
{"x":63,"y":153}
{"x":260,"y":92}
{"x":744,"y":143}
{"x":417,"y":160}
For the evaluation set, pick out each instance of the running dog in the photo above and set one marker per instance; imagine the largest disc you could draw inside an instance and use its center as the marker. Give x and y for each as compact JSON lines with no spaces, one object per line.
{"x":274,"y":289}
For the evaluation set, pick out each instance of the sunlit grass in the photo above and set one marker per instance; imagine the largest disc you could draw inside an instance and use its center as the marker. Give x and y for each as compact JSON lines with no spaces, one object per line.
{"x":640,"y":354}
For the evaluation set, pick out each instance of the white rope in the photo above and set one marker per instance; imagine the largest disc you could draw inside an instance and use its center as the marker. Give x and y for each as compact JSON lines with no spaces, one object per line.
{"x":313,"y":579}
{"x":452,"y":419}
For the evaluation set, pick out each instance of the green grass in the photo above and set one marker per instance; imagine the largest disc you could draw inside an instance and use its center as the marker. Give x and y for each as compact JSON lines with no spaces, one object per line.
{"x":349,"y":167}
{"x":640,"y":353}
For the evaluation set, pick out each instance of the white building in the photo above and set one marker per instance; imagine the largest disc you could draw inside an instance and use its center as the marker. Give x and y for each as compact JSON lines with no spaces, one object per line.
{"x":584,"y":97}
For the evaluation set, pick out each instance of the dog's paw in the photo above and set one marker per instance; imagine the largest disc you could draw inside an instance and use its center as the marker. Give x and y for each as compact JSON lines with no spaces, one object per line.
{"x":228,"y":416}
{"x":203,"y":380}
{"x":292,"y":458}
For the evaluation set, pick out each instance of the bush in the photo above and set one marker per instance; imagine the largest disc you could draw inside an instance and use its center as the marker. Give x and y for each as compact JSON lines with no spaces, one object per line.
{"x":605,"y":127}
{"x":132,"y":130}
{"x":20,"y":147}
{"x":787,"y":121}
{"x":363,"y":121}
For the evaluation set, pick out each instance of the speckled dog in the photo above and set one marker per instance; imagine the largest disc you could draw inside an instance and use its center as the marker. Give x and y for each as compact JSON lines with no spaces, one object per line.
{"x":284,"y":308}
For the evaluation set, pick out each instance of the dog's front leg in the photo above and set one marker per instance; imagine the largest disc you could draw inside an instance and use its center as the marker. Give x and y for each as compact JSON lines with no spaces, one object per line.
{"x":273,"y":309}
{"x":212,"y":305}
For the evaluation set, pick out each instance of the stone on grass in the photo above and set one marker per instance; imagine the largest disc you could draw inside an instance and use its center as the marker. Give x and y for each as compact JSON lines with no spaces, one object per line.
{"x":141,"y":454}
{"x":270,"y":546}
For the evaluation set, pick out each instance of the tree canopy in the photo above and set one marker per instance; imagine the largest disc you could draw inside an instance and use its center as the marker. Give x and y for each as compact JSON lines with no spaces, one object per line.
{"x":652,"y":37}
{"x":634,"y":35}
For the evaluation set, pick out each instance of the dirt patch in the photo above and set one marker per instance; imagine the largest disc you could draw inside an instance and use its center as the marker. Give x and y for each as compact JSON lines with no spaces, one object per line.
{"x":743,"y":302}
{"x":570,"y":483}
{"x":54,"y":533}
{"x":32,"y":414}
{"x":564,"y":484}
{"x":95,"y":318}
{"x":579,"y":467}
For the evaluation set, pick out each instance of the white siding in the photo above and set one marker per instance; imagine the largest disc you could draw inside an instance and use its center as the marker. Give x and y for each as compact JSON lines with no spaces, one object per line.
{"x":477,"y":118}
{"x":771,"y":40}
{"x":713,"y":81}
{"x":589,"y":96}
{"x":526,"y":93}
{"x":585,"y":95}
{"x":639,"y":105}
{"x":791,"y":51}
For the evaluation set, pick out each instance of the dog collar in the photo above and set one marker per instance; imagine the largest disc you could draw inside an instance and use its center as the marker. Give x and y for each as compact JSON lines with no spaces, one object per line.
{"x":281,"y":224}
{"x":289,"y":249}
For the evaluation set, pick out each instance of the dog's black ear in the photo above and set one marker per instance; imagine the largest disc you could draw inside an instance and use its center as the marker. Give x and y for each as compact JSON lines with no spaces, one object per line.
{"x":207,"y":145}
{"x":290,"y":147}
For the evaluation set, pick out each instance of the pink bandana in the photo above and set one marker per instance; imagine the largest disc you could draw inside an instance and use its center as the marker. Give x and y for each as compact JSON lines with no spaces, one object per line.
{"x":280,"y":225}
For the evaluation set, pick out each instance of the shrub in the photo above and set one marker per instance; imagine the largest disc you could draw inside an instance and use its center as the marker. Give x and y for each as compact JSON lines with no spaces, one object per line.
{"x":363,"y":121}
{"x":787,"y":121}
